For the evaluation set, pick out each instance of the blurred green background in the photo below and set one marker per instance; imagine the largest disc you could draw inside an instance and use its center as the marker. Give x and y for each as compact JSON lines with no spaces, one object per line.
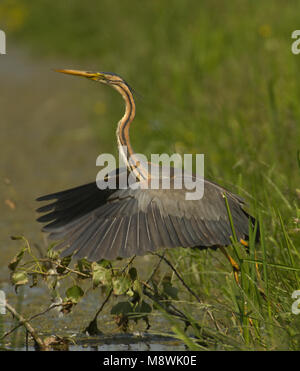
{"x":216,"y":77}
{"x":213,"y":77}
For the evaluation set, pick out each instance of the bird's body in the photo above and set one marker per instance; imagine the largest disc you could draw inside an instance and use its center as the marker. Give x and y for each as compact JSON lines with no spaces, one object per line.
{"x":111,"y":223}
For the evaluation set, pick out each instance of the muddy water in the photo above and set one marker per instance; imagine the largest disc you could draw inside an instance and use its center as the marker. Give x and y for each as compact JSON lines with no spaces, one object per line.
{"x":46,"y":144}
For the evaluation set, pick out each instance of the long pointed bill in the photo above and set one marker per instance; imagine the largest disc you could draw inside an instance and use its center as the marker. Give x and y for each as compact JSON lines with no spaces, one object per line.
{"x":81,"y":73}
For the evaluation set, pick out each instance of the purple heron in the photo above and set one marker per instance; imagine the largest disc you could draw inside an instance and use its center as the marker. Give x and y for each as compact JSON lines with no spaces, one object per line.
{"x":111,"y":223}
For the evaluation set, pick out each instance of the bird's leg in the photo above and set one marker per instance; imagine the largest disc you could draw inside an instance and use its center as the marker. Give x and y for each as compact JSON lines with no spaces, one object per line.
{"x":233,"y":263}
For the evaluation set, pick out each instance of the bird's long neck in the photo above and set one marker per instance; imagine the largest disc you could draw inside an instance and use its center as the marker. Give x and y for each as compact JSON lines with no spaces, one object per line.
{"x":124,"y":145}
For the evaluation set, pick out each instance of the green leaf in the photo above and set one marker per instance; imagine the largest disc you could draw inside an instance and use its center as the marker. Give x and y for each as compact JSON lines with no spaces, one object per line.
{"x":130,"y":292}
{"x":51,"y":254}
{"x":143,"y":307}
{"x":64,"y":262}
{"x":123,"y":307}
{"x":120,"y":285}
{"x":19,"y":278}
{"x":16,"y":260}
{"x":105,"y":263}
{"x":133,"y":273}
{"x":14,"y":238}
{"x":101,"y":275}
{"x":84,"y":266}
{"x":74,"y":293}
{"x":170,"y":290}
{"x":137,"y":287}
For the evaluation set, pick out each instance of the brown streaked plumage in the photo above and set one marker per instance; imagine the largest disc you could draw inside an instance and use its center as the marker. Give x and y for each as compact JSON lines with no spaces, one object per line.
{"x":112,"y":223}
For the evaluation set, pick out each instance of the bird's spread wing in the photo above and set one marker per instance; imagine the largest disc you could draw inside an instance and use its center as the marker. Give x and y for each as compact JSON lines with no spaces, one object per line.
{"x":98,"y":224}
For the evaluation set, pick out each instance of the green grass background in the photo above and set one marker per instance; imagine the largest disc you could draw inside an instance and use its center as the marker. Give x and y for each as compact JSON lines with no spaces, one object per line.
{"x":213,"y":77}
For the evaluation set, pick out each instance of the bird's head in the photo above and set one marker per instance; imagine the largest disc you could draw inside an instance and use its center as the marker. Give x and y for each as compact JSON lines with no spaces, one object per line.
{"x":104,"y":77}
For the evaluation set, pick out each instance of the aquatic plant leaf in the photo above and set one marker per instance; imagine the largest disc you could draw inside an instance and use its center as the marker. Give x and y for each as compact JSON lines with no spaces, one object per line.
{"x":74,"y":293}
{"x":16,"y":260}
{"x":120,"y":285}
{"x":123,"y":307}
{"x":19,"y":278}
{"x":101,"y":275}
